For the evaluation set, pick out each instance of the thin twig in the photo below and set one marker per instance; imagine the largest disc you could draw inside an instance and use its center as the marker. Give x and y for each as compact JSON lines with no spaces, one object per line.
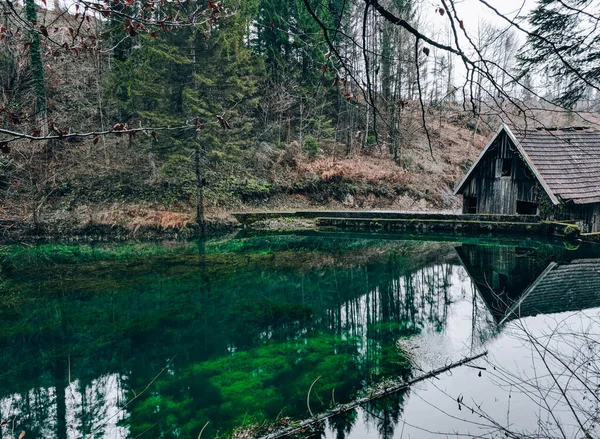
{"x":201,"y":431}
{"x":20,"y":136}
{"x":421,"y":99}
{"x":132,"y":399}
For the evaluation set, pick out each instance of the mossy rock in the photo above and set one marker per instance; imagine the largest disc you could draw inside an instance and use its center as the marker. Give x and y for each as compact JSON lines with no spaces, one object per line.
{"x":572,"y":231}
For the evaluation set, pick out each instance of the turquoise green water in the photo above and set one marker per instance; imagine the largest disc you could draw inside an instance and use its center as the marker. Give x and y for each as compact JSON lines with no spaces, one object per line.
{"x":159,"y":339}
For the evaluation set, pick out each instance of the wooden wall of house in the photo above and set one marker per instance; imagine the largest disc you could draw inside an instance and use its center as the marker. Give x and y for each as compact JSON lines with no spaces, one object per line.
{"x":595,"y":218}
{"x":494,"y":192}
{"x":586,"y":216}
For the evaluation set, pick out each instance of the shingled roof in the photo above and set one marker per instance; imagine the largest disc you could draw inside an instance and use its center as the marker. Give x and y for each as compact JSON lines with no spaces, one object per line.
{"x":561,"y":287}
{"x":566,"y":161}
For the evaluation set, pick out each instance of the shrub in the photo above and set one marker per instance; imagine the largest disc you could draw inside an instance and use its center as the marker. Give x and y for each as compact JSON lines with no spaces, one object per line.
{"x":311,"y":147}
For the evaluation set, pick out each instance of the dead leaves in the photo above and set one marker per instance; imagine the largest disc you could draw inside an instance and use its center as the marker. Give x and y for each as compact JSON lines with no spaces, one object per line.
{"x":14,"y":118}
{"x":134,"y":29}
{"x":224,"y":124}
{"x":199,"y":125}
{"x":57,"y":130}
{"x":217,"y":7}
{"x":442,"y":12}
{"x":367,"y":169}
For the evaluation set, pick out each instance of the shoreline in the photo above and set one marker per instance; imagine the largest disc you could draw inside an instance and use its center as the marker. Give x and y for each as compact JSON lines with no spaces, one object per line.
{"x":13,"y":232}
{"x":273,"y":221}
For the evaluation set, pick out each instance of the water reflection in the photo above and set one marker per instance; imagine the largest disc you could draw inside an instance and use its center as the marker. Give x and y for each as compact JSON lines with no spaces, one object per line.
{"x":517,"y":282}
{"x":152,"y":340}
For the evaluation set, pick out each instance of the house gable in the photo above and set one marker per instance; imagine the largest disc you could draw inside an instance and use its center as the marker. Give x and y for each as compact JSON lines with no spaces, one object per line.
{"x":499,"y":140}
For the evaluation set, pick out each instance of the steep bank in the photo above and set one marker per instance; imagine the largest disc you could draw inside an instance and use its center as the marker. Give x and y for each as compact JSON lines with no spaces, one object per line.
{"x":127,"y":200}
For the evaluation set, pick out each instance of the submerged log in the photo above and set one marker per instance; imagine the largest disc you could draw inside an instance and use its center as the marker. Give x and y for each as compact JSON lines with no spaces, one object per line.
{"x":386,"y":390}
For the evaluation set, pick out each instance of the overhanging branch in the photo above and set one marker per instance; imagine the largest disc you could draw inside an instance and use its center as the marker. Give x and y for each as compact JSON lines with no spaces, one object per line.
{"x":15,"y":135}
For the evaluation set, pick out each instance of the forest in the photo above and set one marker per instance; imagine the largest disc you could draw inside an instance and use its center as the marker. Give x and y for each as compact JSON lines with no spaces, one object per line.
{"x":131,"y":128}
{"x":166,"y":113}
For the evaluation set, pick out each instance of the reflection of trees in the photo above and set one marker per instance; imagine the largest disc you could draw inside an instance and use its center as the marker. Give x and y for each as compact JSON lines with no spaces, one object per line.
{"x":61,"y":400}
{"x":401,"y":304}
{"x":104,"y":326}
{"x":342,"y":424}
{"x":385,"y":414}
{"x":61,"y":409}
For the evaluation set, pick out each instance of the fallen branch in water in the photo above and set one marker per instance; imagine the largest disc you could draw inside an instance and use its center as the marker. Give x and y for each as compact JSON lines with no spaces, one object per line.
{"x":376,"y":394}
{"x":308,"y":396}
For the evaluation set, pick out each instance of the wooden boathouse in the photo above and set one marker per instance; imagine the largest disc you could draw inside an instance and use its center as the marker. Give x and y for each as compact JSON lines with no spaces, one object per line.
{"x":550,"y":172}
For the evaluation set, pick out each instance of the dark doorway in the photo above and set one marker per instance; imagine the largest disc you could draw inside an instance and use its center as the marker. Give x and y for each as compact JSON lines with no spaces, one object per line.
{"x":526,"y":208}
{"x":470,"y":205}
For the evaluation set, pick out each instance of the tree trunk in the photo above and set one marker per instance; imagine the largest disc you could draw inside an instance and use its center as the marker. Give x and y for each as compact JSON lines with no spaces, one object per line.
{"x":37,"y":75}
{"x":61,"y":404}
{"x":37,"y":66}
{"x":199,"y":188}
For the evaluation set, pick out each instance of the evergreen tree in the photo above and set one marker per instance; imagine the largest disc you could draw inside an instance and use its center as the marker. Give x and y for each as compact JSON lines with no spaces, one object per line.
{"x":565,"y":45}
{"x":201,"y":74}
{"x":35,"y":59}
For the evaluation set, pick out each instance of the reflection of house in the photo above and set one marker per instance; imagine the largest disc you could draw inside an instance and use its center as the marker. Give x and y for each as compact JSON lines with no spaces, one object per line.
{"x":554,"y":173}
{"x":500,"y":273}
{"x":561,"y":287}
{"x":517,"y":282}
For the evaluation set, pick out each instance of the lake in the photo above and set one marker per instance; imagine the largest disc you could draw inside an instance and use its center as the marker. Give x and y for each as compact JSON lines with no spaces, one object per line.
{"x":239,"y":333}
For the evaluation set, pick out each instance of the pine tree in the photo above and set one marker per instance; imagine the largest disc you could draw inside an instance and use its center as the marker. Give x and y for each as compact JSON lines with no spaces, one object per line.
{"x":35,"y":59}
{"x":200,"y":74}
{"x":565,"y":44}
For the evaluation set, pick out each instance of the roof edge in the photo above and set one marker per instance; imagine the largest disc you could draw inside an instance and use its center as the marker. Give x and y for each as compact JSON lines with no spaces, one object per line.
{"x":474,"y":165}
{"x":515,"y":308}
{"x":531,"y":166}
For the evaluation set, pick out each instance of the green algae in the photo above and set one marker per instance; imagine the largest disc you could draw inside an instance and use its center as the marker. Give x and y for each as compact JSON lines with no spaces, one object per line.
{"x":231,"y":331}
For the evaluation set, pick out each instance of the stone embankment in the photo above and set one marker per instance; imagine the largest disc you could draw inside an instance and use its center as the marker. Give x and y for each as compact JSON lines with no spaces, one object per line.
{"x":390,"y":221}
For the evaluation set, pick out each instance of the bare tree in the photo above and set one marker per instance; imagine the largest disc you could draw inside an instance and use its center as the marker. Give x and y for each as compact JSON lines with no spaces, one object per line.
{"x":489,"y":58}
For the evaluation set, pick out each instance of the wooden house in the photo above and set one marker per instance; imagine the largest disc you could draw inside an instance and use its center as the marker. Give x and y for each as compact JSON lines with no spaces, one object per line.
{"x":551,"y":172}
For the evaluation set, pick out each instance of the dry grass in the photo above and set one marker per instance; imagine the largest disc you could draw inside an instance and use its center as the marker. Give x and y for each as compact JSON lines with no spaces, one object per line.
{"x":136,"y":216}
{"x":365,"y":169}
{"x":422,"y":182}
{"x":133,"y":216}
